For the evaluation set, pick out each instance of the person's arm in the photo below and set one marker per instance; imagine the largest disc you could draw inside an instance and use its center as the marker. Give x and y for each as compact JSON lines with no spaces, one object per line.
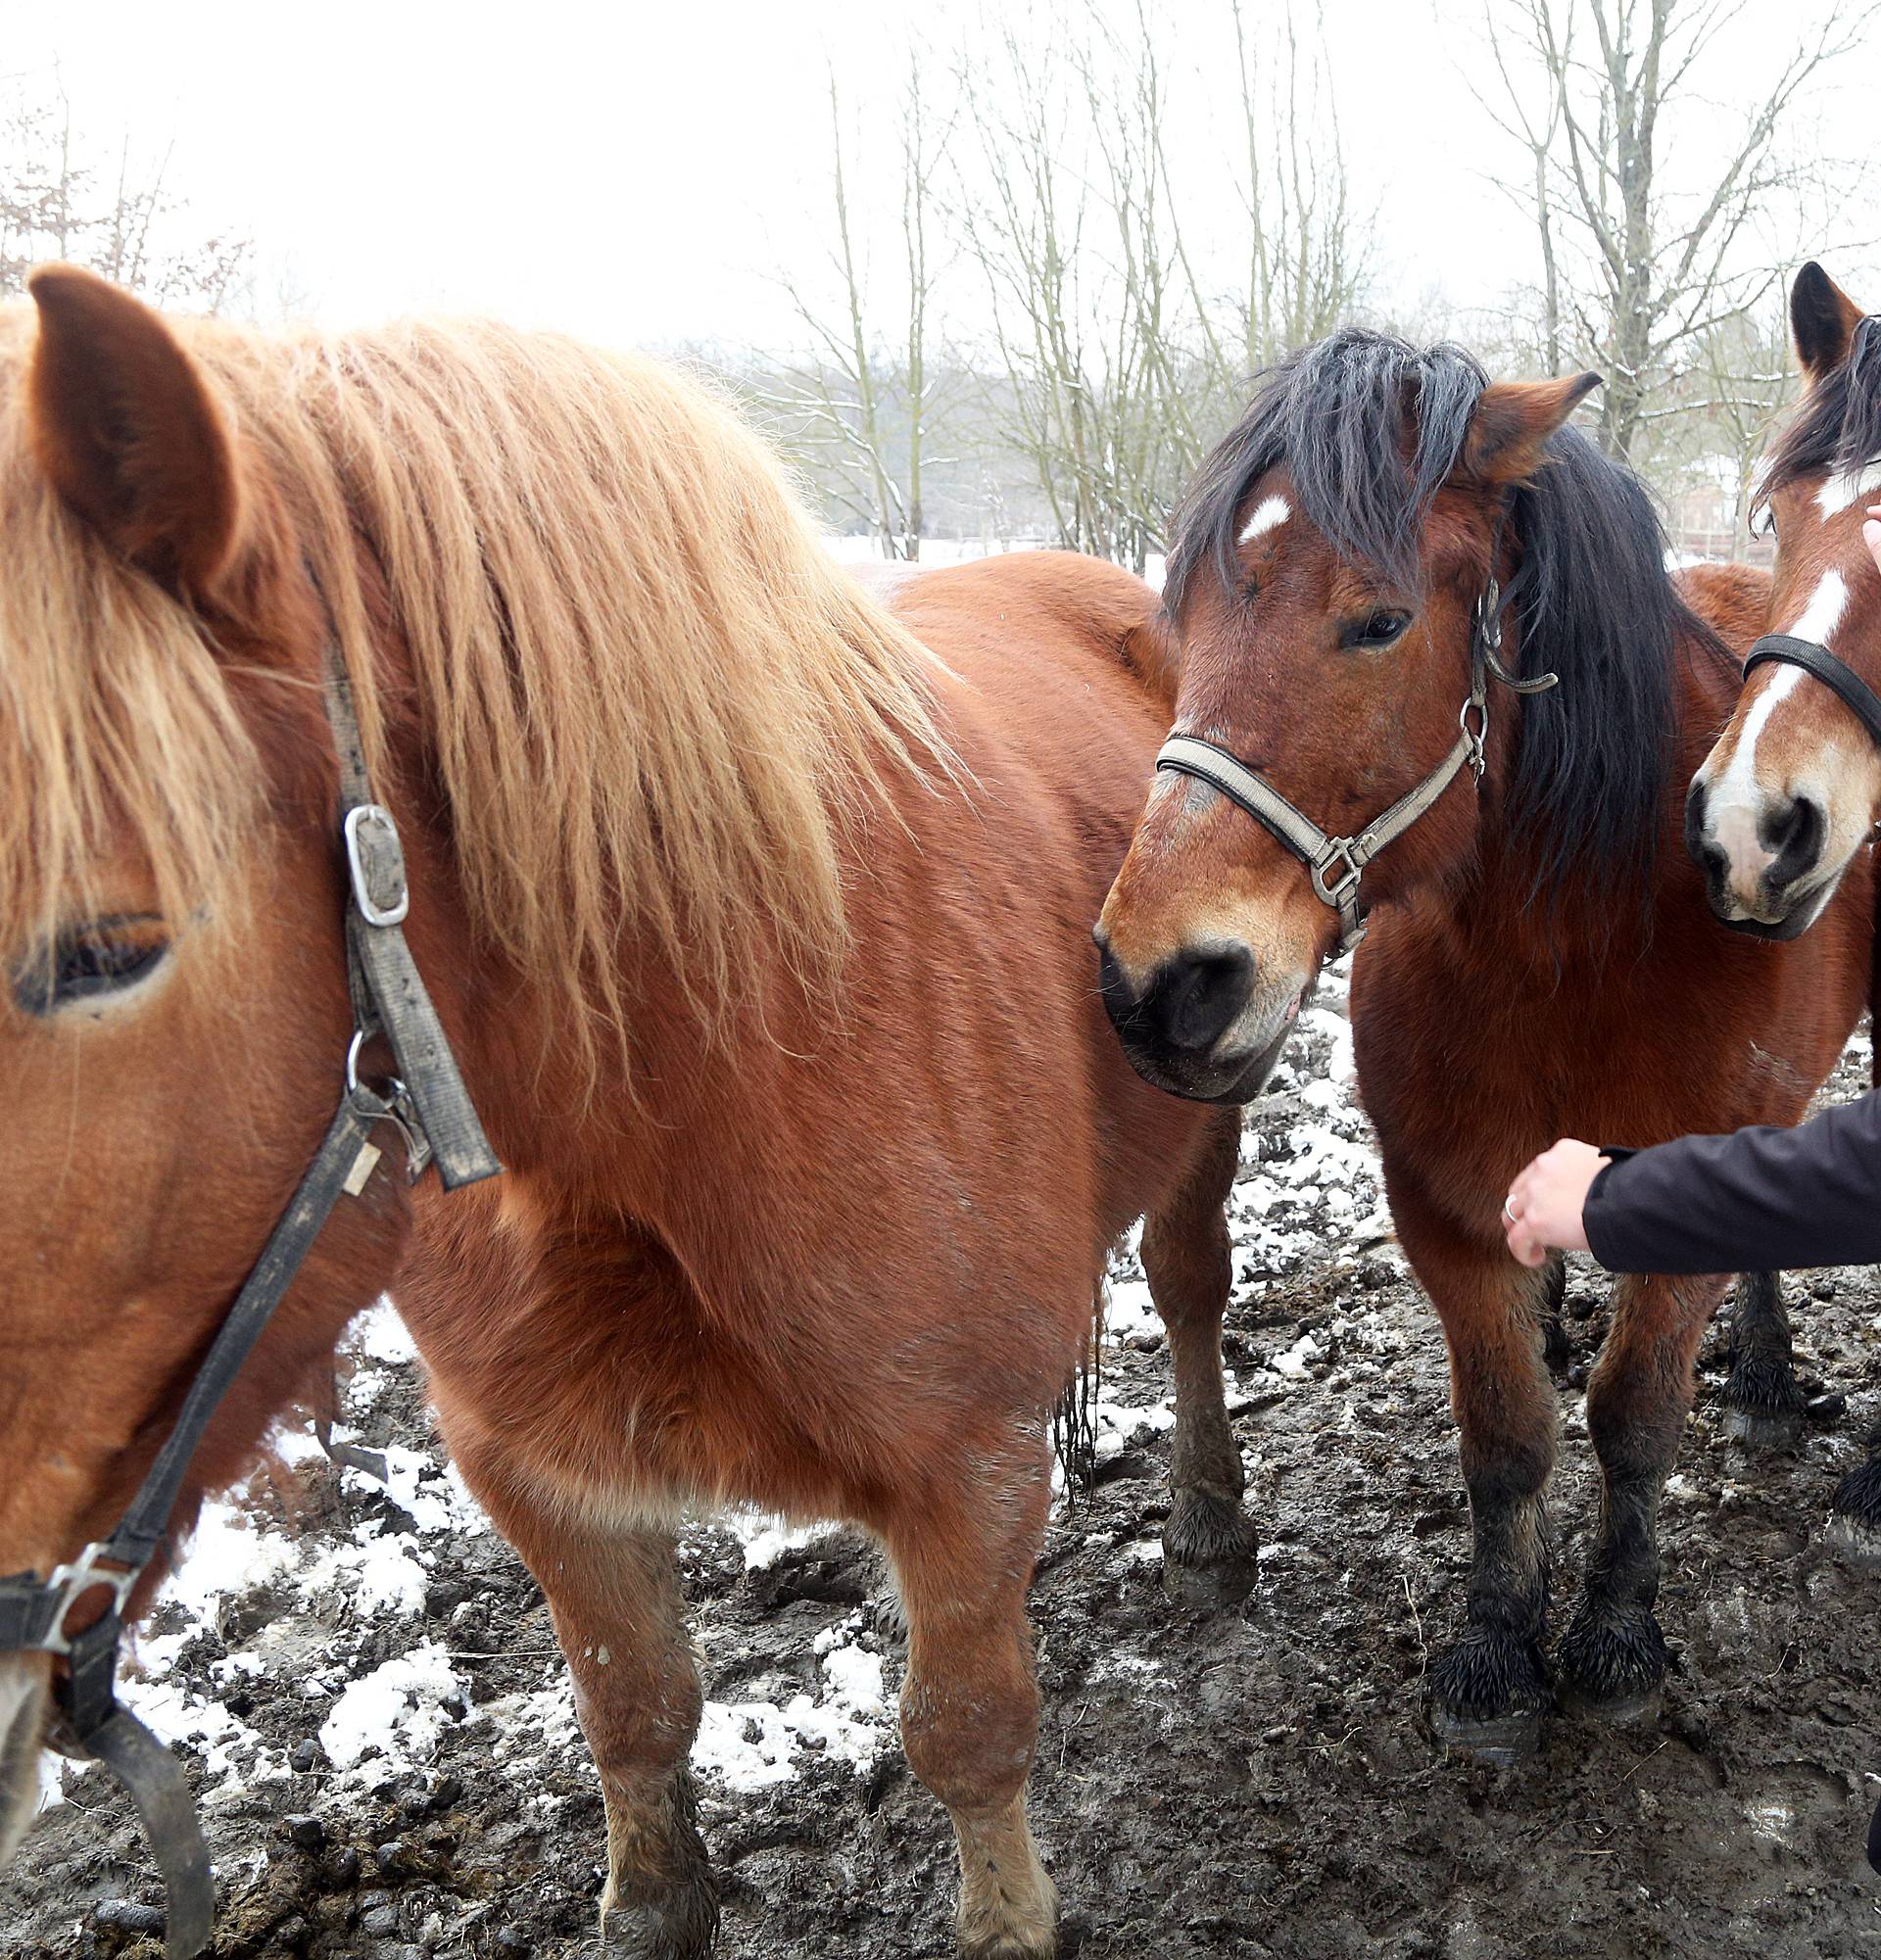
{"x":1760,"y":1200}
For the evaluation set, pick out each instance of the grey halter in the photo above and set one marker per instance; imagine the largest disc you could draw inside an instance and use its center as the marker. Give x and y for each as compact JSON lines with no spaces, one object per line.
{"x":1336,"y":864}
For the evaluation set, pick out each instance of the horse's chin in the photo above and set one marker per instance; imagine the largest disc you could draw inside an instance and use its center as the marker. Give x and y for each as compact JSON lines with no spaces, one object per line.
{"x":22,"y":1723}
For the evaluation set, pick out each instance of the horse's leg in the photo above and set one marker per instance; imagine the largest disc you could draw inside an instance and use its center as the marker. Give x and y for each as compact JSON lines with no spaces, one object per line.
{"x":964,"y":1555}
{"x":1556,"y":1350}
{"x":614,"y":1597}
{"x":1489,"y":1689}
{"x":1209,"y":1542}
{"x":1762,"y":1404}
{"x":1854,"y":1510}
{"x":1612,"y":1659}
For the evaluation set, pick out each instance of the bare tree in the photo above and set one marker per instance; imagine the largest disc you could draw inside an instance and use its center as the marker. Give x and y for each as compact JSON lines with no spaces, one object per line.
{"x":1655,"y":269}
{"x":58,"y":199}
{"x":1122,"y":349}
{"x":871,"y":411}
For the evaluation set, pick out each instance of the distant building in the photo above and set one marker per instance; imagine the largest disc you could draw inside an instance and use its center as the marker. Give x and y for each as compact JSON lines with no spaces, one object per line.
{"x":1702,"y":513}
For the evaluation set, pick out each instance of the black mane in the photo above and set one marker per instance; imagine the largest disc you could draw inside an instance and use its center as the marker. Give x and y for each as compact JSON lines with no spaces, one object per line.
{"x":1838,"y":428}
{"x":1591,"y":599}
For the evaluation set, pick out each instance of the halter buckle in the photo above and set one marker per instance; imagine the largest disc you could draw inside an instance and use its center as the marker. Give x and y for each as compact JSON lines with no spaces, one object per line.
{"x":375,"y":863}
{"x":1334,"y":849}
{"x":85,"y":1575}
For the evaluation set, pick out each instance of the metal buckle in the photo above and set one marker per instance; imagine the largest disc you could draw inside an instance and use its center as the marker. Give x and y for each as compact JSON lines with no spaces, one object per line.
{"x":372,"y":847}
{"x":1329,"y":854}
{"x":72,"y":1582}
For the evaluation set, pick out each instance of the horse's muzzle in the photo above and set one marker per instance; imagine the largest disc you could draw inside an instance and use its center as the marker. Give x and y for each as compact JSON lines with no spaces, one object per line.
{"x":1780,"y":894}
{"x":1199,"y":1025}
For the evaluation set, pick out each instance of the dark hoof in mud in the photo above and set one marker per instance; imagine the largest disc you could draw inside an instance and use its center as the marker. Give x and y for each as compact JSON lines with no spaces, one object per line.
{"x":1611,"y":1670}
{"x":1766,"y":1429}
{"x":1488,"y":1694}
{"x":1208,"y":1552}
{"x":1763,"y":1407}
{"x":680,"y":1926}
{"x":1855,"y":1516}
{"x":1499,"y":1740}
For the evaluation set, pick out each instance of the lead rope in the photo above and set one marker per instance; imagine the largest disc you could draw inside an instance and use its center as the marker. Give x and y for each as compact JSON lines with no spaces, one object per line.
{"x":430,"y":1106}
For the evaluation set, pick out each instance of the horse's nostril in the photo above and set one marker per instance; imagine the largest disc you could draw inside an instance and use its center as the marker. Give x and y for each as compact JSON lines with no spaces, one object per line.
{"x":1708,"y":855}
{"x":1795,"y":833}
{"x":1198,"y":994}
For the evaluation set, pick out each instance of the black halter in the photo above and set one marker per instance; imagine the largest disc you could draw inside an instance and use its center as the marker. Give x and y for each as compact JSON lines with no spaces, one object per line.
{"x":1821,"y":664}
{"x":430,"y":1106}
{"x":1336,"y":864}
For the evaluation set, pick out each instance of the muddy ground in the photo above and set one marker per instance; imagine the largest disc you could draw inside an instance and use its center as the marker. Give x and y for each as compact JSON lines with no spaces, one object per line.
{"x":1249,"y":1782}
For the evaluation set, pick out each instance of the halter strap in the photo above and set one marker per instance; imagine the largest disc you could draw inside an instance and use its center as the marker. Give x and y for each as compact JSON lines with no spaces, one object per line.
{"x":1336,"y":864}
{"x":432,"y":1109}
{"x":1815,"y":660}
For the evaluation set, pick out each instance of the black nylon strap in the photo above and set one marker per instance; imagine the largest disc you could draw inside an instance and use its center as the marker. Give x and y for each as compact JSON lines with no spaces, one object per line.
{"x":1821,"y":664}
{"x":155,"y":1779}
{"x":307,"y":1211}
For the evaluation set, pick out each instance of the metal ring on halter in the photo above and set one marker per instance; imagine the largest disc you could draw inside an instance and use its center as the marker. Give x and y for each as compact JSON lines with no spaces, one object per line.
{"x":1477,"y":738}
{"x":392,"y":1104}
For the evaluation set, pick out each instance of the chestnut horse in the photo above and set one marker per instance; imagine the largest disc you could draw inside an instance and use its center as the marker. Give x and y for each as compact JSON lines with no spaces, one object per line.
{"x":1787,"y":801}
{"x":1384,"y":538}
{"x":756,"y":917}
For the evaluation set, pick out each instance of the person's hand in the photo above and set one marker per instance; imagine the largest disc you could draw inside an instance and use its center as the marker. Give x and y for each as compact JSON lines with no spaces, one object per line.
{"x":1872,"y":533}
{"x":1542,"y":1211}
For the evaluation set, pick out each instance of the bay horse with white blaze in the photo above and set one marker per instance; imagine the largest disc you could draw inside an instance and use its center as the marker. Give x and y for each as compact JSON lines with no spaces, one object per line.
{"x":1784,"y":808}
{"x":1429,"y":658}
{"x":756,"y":917}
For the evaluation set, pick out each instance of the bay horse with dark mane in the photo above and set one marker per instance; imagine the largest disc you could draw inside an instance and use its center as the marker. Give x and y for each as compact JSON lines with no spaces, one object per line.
{"x":1371,"y":581}
{"x":756,"y":917}
{"x":1784,"y":808}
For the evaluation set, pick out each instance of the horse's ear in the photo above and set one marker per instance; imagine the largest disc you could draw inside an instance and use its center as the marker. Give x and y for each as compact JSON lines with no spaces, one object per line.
{"x":128,"y":427}
{"x":1513,"y":422}
{"x":1823,"y":320}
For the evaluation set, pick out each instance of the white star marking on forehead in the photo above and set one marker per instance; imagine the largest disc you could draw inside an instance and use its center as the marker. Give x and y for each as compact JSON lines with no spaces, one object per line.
{"x":1269,"y":512}
{"x":1852,"y":486}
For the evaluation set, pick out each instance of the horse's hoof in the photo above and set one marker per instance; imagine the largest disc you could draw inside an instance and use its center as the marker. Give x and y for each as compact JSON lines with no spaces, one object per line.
{"x":1488,"y":1694}
{"x":1611,"y":1669}
{"x":1765,"y":1428}
{"x":1499,"y":1740}
{"x":649,"y":1932}
{"x":1617,"y":1711}
{"x":1763,"y":1407}
{"x":1853,"y":1529}
{"x":1208,"y":1552}
{"x":676,"y":1922}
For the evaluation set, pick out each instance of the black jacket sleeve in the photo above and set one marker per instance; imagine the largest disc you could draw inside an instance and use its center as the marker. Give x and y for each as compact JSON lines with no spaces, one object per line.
{"x":1760,"y":1200}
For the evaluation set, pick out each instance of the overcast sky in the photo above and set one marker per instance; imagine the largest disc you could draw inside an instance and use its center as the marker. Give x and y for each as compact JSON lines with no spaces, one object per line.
{"x":639,"y":172}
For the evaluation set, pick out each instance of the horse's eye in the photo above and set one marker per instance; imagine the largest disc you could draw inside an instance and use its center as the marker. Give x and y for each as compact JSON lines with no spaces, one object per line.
{"x":1378,"y":629}
{"x":91,"y":962}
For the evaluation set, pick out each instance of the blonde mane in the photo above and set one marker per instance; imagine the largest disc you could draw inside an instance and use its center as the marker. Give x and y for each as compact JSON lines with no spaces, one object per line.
{"x":650,"y":698}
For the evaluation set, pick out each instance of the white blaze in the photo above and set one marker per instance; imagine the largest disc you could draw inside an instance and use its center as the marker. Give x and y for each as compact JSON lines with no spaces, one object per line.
{"x":1735,"y":801}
